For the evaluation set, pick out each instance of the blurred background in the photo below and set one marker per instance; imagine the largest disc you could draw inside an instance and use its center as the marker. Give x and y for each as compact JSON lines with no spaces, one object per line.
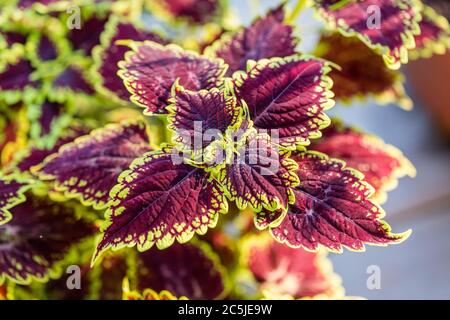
{"x":419,"y":268}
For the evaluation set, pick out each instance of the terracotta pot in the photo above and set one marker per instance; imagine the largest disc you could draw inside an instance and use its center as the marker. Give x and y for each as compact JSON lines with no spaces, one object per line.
{"x":430,"y":82}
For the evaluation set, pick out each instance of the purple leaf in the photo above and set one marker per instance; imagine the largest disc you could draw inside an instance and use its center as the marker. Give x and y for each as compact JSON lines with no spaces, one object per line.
{"x":11,"y":194}
{"x":259,"y":175}
{"x":49,"y":114}
{"x":46,"y":49}
{"x":202,"y":116}
{"x":34,"y":155}
{"x":39,"y":235}
{"x":17,"y":76}
{"x":87,"y":37}
{"x":158,"y":201}
{"x":434,"y":35}
{"x":382,"y":164}
{"x":109,"y":53}
{"x":333,"y":209}
{"x":150,"y":70}
{"x":387,"y":26}
{"x":287,"y":96}
{"x":266,"y":37}
{"x":362,"y":72}
{"x":192,"y":270}
{"x":13,"y":131}
{"x":73,"y":80}
{"x":88,"y":167}
{"x":12,"y":37}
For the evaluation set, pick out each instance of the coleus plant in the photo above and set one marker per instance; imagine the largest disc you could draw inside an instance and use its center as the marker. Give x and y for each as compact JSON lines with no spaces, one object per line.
{"x":233,"y":165}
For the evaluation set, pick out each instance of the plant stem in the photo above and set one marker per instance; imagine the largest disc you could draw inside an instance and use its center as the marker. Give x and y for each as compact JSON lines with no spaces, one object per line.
{"x":297,"y":9}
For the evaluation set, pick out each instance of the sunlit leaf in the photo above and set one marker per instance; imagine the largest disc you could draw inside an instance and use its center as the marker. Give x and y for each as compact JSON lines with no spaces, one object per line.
{"x":382,"y":164}
{"x":88,"y":168}
{"x":202,"y":118}
{"x":362,"y":73}
{"x":108,"y":54}
{"x":333,"y":209}
{"x":287,"y":97}
{"x":266,"y":37}
{"x":158,"y":201}
{"x":434,"y":35}
{"x":150,"y":70}
{"x":387,"y":26}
